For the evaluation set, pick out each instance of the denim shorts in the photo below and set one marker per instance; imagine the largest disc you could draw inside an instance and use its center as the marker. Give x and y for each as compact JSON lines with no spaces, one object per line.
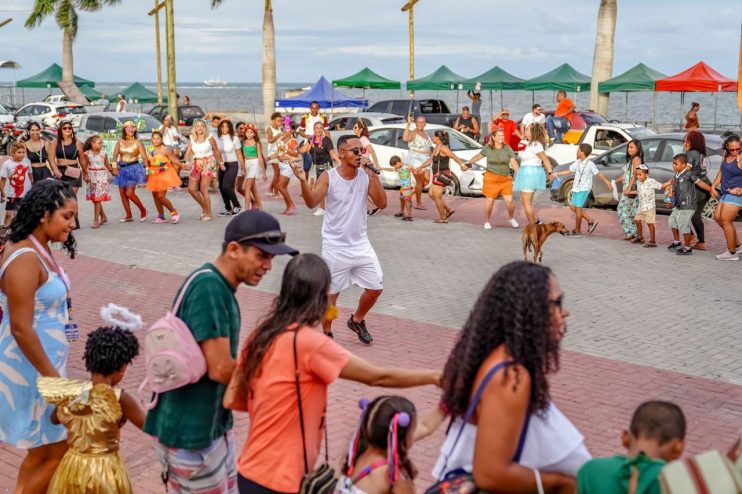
{"x":728,"y":198}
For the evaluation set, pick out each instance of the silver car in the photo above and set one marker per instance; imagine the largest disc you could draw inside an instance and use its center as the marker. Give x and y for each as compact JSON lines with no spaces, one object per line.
{"x":345,"y":121}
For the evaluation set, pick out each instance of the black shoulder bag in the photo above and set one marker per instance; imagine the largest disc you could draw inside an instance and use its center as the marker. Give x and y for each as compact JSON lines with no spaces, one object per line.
{"x":322,"y":479}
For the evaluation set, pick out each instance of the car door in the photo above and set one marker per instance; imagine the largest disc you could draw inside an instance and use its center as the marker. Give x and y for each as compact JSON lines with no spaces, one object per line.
{"x":611,"y":165}
{"x":384,"y":141}
{"x":23,"y":115}
{"x":660,"y":168}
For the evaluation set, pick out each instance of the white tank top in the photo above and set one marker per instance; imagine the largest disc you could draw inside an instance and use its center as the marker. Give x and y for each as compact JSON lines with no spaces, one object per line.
{"x":201,"y":149}
{"x":345,"y":222}
{"x":273,"y":146}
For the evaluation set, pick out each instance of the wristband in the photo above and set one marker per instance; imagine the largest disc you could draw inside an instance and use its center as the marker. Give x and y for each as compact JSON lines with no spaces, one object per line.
{"x":539,"y":484}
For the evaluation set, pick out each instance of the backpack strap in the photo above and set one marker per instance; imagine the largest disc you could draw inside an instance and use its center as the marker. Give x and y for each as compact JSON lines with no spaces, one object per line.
{"x":183,"y":290}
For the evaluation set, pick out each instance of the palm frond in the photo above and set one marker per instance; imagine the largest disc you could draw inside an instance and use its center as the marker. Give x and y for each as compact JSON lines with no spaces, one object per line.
{"x":216,"y":3}
{"x":66,"y":17}
{"x":41,"y":10}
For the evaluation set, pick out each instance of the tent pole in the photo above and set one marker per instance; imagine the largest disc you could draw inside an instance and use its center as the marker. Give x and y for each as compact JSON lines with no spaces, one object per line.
{"x":716,"y":103}
{"x":654,"y":111}
{"x":533,"y":98}
{"x":492,"y":106}
{"x":502,"y":104}
{"x":626,"y":108}
{"x":457,"y":100}
{"x":682,"y":104}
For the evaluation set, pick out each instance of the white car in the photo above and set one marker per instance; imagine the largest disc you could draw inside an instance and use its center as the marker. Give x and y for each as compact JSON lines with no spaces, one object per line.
{"x":59,"y":99}
{"x":49,"y":114}
{"x":601,"y":137}
{"x":5,"y":116}
{"x":387,"y":142}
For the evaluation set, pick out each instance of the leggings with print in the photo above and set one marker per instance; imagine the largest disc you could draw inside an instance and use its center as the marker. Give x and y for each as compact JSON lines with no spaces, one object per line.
{"x":627,"y":207}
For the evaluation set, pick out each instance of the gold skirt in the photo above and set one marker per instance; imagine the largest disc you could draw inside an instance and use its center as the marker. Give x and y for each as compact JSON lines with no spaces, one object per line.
{"x":80,"y":473}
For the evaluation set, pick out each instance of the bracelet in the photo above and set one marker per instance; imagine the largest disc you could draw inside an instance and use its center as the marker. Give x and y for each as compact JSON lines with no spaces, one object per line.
{"x":539,"y":484}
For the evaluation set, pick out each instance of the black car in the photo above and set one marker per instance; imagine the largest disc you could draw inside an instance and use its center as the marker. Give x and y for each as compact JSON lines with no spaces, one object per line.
{"x":658,"y":152}
{"x":186,"y":116}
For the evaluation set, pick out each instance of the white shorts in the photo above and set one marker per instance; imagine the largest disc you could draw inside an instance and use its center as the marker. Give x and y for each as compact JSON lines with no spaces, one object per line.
{"x":251,"y":168}
{"x":285,"y":169}
{"x":358,"y":266}
{"x":416,"y":159}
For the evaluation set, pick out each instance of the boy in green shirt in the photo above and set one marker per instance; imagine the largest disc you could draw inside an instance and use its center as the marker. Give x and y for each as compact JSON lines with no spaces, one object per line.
{"x":656,"y":436}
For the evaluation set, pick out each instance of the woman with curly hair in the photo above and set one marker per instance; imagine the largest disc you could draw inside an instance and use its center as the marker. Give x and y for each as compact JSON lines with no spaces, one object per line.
{"x":439,"y":161}
{"x":34,"y":297}
{"x":533,"y":161}
{"x":284,"y":356}
{"x":698,"y":165}
{"x":628,"y":203}
{"x":515,"y":438}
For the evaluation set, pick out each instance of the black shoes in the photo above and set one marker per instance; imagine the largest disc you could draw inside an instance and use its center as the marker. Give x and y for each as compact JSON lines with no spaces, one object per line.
{"x":359,"y":328}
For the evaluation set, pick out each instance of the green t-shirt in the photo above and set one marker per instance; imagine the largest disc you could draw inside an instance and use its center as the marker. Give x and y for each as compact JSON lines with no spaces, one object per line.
{"x":611,"y":475}
{"x":498,"y":160}
{"x":192,"y":417}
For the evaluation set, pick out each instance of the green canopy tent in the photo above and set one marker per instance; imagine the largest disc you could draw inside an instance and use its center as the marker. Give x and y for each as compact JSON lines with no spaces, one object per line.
{"x":442,"y":78}
{"x":90,"y":93}
{"x":137,"y":93}
{"x":367,"y":79}
{"x":638,"y":78}
{"x":495,"y":79}
{"x":49,"y":78}
{"x":562,"y":78}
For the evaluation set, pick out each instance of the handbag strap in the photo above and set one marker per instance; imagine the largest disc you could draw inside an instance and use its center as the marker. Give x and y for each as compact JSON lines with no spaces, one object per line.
{"x":473,"y":407}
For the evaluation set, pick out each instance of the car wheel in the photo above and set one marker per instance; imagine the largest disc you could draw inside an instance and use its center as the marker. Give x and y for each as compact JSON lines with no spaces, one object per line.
{"x":566,"y":192}
{"x":708,"y":210}
{"x":454,"y":189}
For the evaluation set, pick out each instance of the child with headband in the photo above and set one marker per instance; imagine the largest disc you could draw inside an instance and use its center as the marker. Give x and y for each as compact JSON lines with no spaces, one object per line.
{"x":94,"y":411}
{"x":378,"y":459}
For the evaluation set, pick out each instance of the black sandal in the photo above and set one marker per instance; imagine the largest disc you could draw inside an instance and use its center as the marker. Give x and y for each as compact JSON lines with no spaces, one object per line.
{"x":407,"y":218}
{"x":399,"y":215}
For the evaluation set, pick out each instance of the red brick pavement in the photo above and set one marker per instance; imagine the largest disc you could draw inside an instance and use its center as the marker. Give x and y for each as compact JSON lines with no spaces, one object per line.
{"x":598,"y":394}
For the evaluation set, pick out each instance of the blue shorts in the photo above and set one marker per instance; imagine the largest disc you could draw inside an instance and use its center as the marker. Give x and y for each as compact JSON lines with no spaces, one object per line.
{"x":728,"y":198}
{"x":579,"y":199}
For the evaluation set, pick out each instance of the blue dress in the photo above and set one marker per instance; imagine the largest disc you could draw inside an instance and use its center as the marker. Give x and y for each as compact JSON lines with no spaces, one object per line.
{"x":24,"y":415}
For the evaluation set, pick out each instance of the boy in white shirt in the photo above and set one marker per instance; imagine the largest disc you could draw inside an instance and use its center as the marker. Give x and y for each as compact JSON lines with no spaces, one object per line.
{"x":647,"y":209}
{"x":584,"y":170}
{"x":16,"y":173}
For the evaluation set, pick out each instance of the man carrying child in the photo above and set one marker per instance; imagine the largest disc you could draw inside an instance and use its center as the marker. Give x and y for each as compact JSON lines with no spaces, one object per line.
{"x":684,"y":196}
{"x":584,"y":170}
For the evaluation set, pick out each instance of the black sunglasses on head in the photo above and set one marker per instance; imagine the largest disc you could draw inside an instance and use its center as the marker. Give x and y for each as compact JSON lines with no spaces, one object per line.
{"x":271,"y":237}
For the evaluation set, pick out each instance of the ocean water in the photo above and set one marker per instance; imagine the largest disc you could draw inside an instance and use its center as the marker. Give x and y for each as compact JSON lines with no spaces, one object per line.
{"x":247,"y":98}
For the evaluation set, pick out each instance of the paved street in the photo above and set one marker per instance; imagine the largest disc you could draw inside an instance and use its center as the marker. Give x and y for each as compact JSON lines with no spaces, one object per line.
{"x":644,"y":323}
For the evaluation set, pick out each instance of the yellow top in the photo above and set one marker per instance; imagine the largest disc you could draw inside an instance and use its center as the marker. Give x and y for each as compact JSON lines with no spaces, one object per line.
{"x":128,"y":151}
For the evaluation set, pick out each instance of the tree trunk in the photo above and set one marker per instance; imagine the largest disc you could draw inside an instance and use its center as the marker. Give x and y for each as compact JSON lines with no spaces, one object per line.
{"x":67,"y":64}
{"x":269,"y":62}
{"x":605,"y":35}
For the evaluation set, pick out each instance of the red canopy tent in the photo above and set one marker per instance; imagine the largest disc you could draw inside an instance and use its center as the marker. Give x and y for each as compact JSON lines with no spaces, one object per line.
{"x":699,"y":78}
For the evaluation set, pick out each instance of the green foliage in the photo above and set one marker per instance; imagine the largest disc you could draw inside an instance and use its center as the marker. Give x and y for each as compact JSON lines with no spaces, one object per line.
{"x":65,"y":12}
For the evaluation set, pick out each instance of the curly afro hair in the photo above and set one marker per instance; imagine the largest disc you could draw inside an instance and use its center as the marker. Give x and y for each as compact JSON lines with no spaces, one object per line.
{"x":108,"y":349}
{"x":44,"y":197}
{"x":512,"y":310}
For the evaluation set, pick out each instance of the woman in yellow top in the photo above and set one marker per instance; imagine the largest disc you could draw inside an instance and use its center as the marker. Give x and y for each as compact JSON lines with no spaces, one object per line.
{"x":162,"y":175}
{"x":94,"y":411}
{"x":128,"y":172}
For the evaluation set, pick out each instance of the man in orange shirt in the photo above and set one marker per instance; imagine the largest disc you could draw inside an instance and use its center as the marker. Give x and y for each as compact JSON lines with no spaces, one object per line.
{"x":509,"y":128}
{"x":557,"y":124}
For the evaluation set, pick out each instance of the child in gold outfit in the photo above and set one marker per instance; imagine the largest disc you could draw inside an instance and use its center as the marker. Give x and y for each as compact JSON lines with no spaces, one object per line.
{"x":94,"y":411}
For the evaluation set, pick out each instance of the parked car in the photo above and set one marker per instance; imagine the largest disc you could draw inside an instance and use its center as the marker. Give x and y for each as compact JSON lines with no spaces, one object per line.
{"x":387,"y":142}
{"x":658,"y":152}
{"x":345,"y":121}
{"x":49,"y":114}
{"x":580,"y":121}
{"x":435,"y":111}
{"x":5,"y":116}
{"x":57,"y":99}
{"x":186,"y":115}
{"x":601,"y":137}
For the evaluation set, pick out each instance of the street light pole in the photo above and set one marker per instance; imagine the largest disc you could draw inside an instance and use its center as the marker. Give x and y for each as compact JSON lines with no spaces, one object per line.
{"x":156,"y":11}
{"x":409,"y":8}
{"x":172,"y":98}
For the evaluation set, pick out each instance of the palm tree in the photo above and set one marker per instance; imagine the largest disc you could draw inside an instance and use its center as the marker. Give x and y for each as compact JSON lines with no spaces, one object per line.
{"x":269,"y":58}
{"x":603,"y":57}
{"x":65,"y":13}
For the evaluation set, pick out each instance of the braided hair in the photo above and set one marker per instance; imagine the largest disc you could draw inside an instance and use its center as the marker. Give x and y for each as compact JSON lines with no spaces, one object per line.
{"x":108,"y":349}
{"x":512,"y":310}
{"x":44,"y":197}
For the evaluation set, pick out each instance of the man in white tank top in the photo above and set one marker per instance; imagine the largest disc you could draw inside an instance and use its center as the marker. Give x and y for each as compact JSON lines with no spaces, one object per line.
{"x":345,"y":245}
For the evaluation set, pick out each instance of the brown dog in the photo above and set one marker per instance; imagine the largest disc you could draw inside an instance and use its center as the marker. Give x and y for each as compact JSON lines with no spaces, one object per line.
{"x":535,"y":235}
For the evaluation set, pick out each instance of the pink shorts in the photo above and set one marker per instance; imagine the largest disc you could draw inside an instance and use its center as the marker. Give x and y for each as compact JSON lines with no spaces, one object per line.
{"x":203,"y":167}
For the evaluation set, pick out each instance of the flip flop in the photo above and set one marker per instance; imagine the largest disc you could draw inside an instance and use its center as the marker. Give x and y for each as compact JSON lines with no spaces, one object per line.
{"x":421,"y":208}
{"x":650,"y":244}
{"x":398,"y":215}
{"x":440,"y":221}
{"x":449,"y":213}
{"x":95,"y":225}
{"x":126,"y":220}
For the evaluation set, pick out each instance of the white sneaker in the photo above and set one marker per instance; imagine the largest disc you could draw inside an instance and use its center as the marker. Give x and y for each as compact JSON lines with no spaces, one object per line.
{"x":513,"y":223}
{"x":727,"y":256}
{"x":487,"y":226}
{"x":319,"y":212}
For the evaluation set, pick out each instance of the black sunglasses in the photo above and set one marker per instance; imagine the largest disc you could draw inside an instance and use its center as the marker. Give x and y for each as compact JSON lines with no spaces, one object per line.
{"x":271,"y":237}
{"x":356,"y":151}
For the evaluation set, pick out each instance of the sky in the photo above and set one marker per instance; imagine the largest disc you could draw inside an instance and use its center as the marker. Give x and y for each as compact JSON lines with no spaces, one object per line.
{"x":336,"y":38}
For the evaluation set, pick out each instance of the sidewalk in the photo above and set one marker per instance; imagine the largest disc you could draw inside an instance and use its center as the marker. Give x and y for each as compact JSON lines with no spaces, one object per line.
{"x":598,"y":394}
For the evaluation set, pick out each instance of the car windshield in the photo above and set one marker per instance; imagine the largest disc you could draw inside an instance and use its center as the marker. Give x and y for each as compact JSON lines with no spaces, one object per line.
{"x":639,"y":132}
{"x":189,"y":112}
{"x":74,"y":110}
{"x":3,"y":111}
{"x":150,"y":122}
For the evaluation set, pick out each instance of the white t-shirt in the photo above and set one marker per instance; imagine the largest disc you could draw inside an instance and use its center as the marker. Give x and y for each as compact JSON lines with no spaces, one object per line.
{"x":228,"y":147}
{"x":529,"y":156}
{"x":345,"y":225}
{"x":645,"y":194}
{"x":170,"y":136}
{"x":530,"y":118}
{"x":17,"y":177}
{"x":584,"y":172}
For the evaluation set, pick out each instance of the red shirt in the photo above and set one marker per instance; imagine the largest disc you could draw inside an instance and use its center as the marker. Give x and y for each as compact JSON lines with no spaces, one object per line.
{"x":508,"y":127}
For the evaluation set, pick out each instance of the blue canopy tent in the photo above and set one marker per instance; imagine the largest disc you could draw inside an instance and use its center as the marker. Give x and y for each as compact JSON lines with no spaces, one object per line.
{"x":323,"y":93}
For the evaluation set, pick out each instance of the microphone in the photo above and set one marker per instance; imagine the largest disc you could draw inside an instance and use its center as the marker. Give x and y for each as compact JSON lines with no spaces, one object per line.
{"x":370,"y":166}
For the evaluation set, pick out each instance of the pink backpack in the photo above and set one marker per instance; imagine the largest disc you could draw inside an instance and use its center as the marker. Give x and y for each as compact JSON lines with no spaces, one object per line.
{"x":172,"y":356}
